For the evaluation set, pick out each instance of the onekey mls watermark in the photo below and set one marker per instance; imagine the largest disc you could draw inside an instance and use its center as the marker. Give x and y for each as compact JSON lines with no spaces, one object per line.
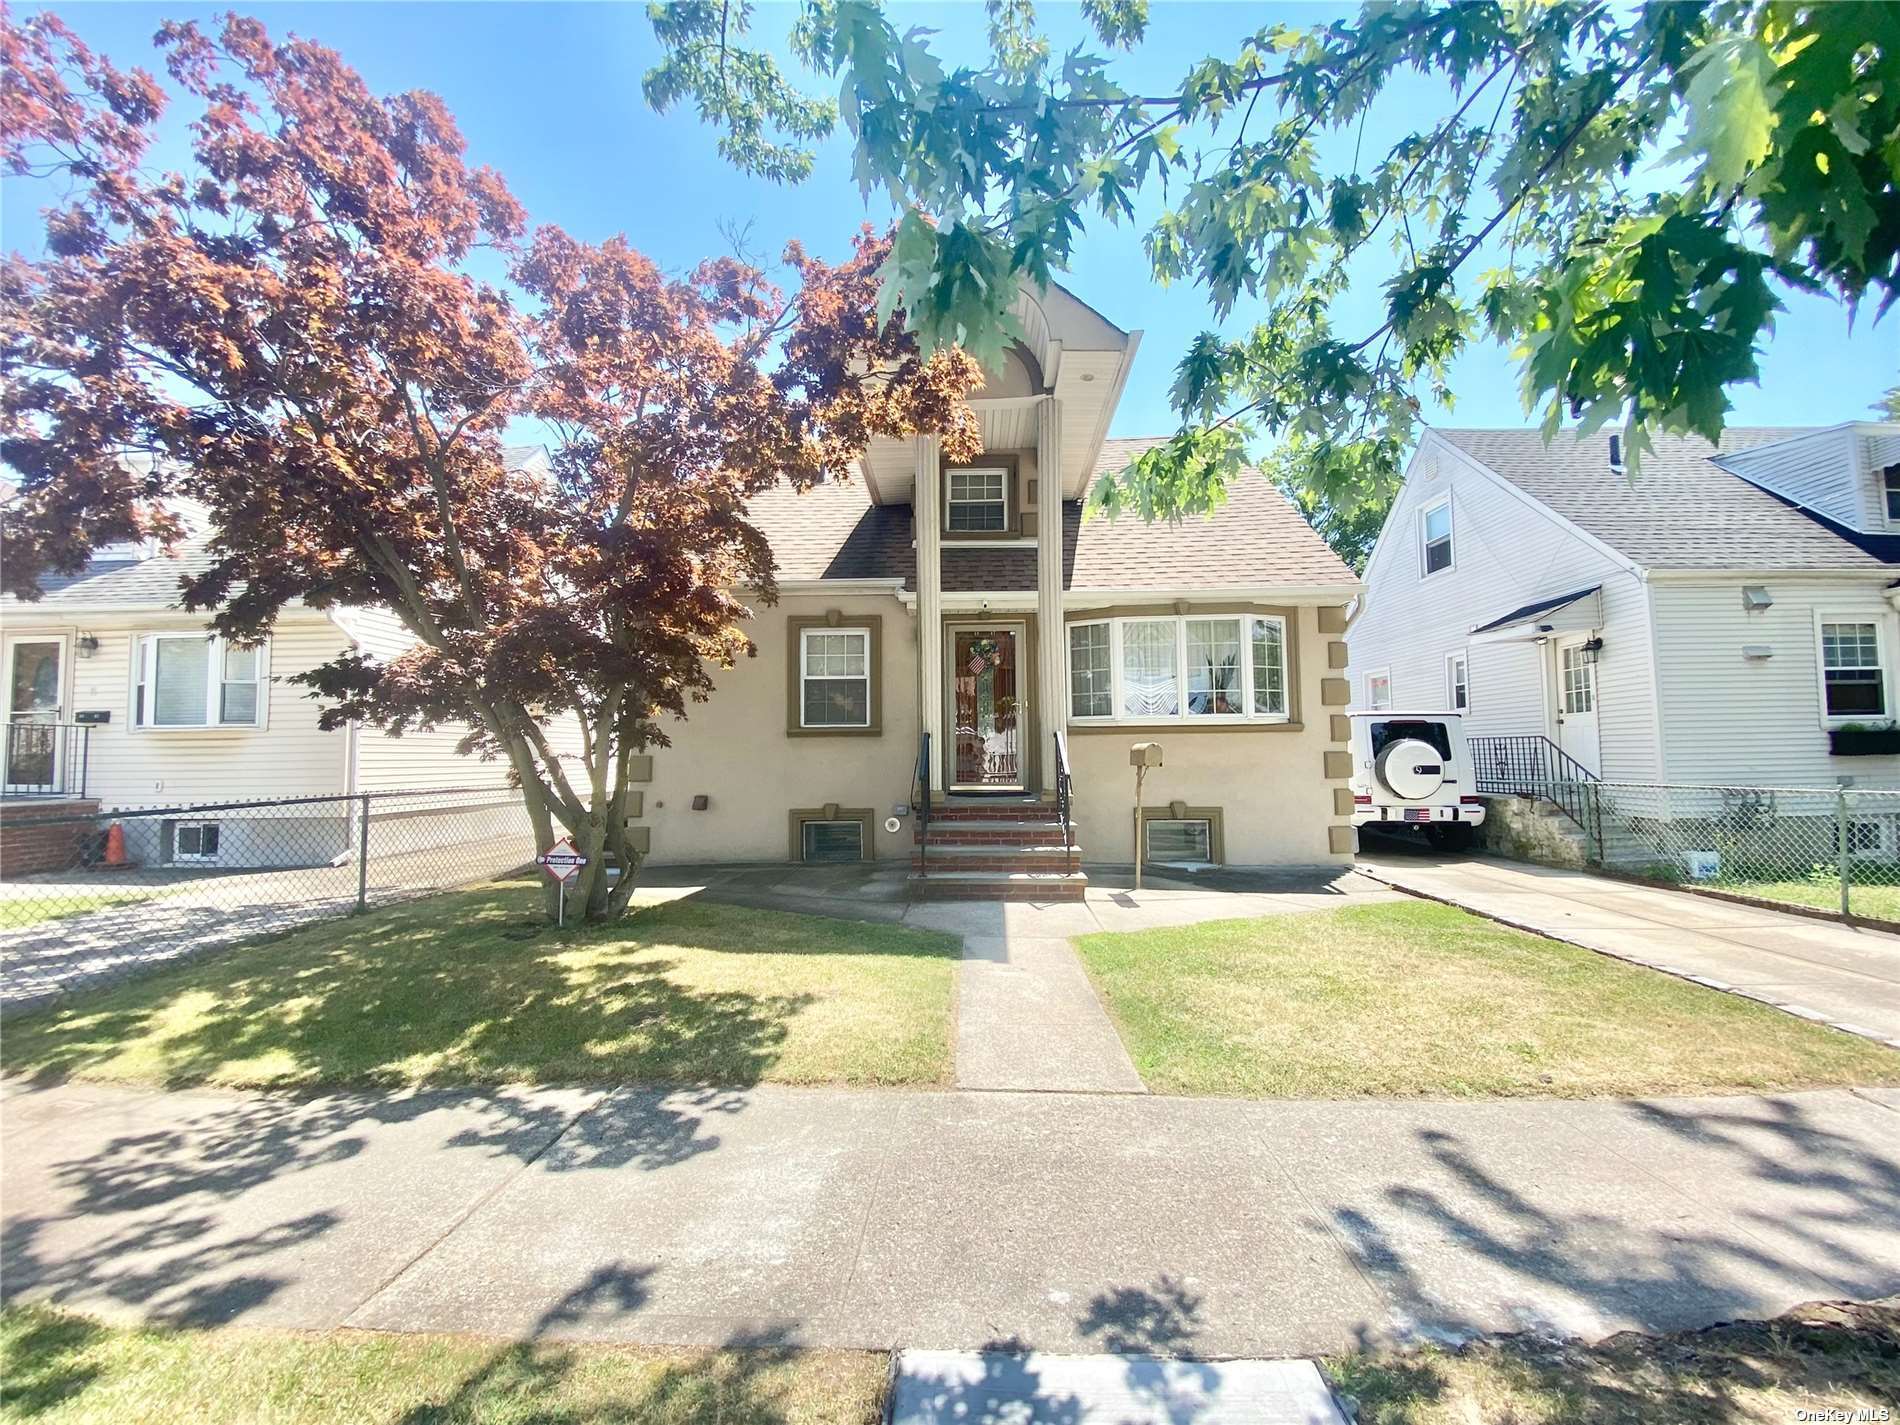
{"x":1836,"y":1415}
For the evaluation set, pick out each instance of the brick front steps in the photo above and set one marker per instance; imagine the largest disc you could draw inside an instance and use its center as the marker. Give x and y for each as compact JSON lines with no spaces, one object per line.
{"x":57,"y":843}
{"x":1003,"y":850}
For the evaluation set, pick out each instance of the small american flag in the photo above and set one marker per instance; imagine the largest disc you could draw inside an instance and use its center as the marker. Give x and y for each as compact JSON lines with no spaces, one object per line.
{"x":979,"y":662}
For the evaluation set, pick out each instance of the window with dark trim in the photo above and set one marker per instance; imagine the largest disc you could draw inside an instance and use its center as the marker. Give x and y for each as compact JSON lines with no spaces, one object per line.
{"x":977,"y":499}
{"x":835,"y":677}
{"x":1890,"y":484}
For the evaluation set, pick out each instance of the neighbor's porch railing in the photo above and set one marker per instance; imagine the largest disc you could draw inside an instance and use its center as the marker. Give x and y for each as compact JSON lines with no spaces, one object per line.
{"x":1531,"y":765}
{"x":45,"y":759}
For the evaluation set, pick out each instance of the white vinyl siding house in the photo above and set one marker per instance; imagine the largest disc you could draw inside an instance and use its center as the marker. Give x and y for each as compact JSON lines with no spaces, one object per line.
{"x":1707,"y":586}
{"x":174,"y":717}
{"x":1508,"y":552}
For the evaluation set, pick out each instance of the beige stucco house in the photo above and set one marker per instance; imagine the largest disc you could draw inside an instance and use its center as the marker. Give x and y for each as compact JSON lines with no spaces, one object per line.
{"x":947,"y":634}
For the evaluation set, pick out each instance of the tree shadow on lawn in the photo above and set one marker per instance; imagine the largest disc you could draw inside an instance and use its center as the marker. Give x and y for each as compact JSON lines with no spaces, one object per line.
{"x":461,"y":990}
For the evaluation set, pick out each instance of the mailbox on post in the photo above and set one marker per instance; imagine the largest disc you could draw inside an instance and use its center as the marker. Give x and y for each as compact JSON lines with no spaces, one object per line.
{"x":1141,"y":756}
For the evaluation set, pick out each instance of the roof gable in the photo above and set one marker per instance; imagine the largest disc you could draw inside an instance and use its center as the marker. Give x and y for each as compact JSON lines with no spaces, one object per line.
{"x":1682,"y":511}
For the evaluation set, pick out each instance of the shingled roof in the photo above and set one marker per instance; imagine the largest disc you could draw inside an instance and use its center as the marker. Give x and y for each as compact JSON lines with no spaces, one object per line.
{"x":1256,"y":540}
{"x":1682,"y":511}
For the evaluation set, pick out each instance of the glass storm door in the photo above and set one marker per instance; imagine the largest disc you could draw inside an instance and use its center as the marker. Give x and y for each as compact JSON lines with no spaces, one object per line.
{"x":33,"y":674}
{"x":987,"y":709}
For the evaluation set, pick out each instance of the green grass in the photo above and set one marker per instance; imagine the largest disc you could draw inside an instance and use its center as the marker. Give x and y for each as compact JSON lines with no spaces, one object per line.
{"x":1826,"y":1357}
{"x":1873,"y":902}
{"x":473,"y":988}
{"x":60,"y":1369}
{"x":58,"y":903}
{"x":1418,"y":999}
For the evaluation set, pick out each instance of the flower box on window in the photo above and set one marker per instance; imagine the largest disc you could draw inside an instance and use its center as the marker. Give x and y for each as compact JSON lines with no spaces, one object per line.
{"x":1863,"y":740}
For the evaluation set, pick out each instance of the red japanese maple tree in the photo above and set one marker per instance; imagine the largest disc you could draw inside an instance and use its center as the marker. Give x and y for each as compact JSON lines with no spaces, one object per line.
{"x":321,"y":333}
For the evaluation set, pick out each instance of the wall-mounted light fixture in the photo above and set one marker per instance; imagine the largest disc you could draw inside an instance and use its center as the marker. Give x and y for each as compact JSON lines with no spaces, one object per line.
{"x":1592,"y":649}
{"x":86,"y":645}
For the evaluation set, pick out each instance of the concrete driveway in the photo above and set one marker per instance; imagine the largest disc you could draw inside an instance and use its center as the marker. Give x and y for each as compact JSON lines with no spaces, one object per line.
{"x":1839,"y":974}
{"x":1065,"y":1222}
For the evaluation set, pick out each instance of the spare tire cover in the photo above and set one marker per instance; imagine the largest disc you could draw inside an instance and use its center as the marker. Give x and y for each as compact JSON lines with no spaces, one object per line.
{"x":1410,"y":769}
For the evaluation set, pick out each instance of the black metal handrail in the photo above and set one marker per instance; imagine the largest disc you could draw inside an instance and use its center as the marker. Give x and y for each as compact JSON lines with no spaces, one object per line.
{"x":45,"y":759}
{"x":1531,"y":765}
{"x":1065,"y":798}
{"x":923,"y":805}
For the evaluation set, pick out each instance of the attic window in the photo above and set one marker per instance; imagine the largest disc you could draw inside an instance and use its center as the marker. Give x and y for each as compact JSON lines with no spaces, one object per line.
{"x":1435,"y":535}
{"x":1890,"y":482}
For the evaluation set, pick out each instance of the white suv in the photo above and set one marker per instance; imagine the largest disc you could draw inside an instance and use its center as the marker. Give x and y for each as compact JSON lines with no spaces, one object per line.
{"x":1413,"y":769}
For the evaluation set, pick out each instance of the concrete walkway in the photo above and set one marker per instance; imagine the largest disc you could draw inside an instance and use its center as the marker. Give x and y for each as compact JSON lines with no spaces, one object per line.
{"x":1839,"y":974}
{"x":1068,"y":1223}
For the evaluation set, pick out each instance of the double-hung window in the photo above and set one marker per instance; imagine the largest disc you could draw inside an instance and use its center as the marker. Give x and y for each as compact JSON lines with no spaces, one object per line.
{"x":1379,"y":691}
{"x":978,"y":500}
{"x":187,"y":680}
{"x":1458,"y":682}
{"x":1890,"y":489}
{"x":1853,"y":682}
{"x":1435,"y":536}
{"x":835,"y":677}
{"x":1186,"y":668}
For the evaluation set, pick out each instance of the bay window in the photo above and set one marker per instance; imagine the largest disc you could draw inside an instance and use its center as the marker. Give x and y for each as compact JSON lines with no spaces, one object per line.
{"x":1189,"y":668}
{"x":189,"y":680}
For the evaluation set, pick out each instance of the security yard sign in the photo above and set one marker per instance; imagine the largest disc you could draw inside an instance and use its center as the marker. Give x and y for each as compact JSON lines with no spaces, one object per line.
{"x":563,"y":861}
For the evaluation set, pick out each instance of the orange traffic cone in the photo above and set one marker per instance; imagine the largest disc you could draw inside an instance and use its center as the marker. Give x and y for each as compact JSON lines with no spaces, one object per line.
{"x":115,"y":845}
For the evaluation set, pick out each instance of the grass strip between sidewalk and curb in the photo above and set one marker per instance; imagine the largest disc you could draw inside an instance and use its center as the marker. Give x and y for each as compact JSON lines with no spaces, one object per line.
{"x":1835,"y":1360}
{"x":1420,"y":999}
{"x":64,"y":1369}
{"x":474,"y":988}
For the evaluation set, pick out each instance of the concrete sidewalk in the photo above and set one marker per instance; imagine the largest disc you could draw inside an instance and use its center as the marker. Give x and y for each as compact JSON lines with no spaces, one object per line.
{"x":1839,"y":974}
{"x":1058,"y":1222}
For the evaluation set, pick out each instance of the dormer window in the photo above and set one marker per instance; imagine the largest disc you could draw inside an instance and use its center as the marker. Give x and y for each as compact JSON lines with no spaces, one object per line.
{"x":1890,"y":482}
{"x":980,"y":499}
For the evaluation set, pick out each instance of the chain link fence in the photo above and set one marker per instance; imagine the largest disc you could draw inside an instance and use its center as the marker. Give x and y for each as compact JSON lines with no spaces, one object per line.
{"x":1834,"y":849}
{"x":91,"y":899}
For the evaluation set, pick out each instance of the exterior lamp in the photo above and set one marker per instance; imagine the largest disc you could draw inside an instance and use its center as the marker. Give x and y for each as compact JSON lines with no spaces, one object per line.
{"x":1592,"y":650}
{"x":86,"y":645}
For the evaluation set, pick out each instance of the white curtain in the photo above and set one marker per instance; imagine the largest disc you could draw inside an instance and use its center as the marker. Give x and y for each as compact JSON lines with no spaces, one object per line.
{"x":1150,"y":679}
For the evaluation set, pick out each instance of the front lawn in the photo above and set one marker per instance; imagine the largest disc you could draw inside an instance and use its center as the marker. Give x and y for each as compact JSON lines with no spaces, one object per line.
{"x":62,"y":1369}
{"x":472,"y":988}
{"x":1418,"y":999}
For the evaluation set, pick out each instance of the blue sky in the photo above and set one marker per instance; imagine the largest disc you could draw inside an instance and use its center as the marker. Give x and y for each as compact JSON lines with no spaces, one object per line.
{"x":550,"y":95}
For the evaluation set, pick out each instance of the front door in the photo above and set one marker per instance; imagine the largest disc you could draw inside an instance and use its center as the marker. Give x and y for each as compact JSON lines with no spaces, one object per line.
{"x":35,"y":669}
{"x":1577,"y":704}
{"x":986,"y":708}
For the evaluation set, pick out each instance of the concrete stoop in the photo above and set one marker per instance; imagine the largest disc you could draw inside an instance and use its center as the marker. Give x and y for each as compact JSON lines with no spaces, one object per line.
{"x":1011,"y":849}
{"x":1011,"y":1388}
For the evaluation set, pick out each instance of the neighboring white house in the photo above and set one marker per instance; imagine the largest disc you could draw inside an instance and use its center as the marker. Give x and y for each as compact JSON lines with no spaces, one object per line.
{"x":1712,"y":619}
{"x":115,"y":696}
